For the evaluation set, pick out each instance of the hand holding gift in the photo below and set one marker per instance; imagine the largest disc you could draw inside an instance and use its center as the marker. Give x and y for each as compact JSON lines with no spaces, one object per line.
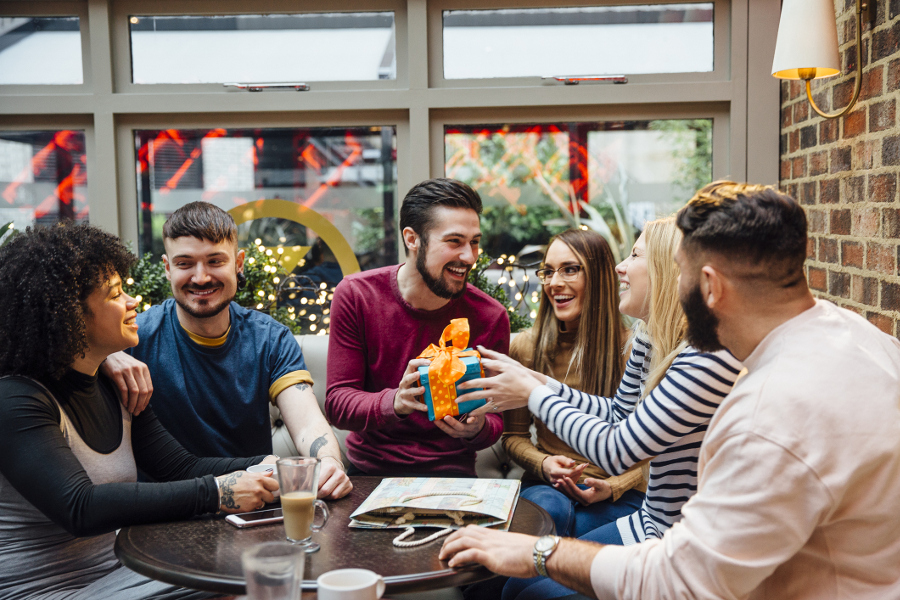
{"x":451,"y":363}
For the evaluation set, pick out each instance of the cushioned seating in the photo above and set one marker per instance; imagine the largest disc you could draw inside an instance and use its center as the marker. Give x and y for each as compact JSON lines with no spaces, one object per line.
{"x":491,"y":462}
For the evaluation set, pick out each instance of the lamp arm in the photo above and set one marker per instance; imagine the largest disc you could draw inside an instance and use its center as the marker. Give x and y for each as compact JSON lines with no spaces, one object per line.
{"x":858,"y":86}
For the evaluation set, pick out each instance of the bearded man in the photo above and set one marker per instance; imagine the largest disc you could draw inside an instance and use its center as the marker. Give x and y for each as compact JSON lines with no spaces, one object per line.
{"x":210,"y":367}
{"x":382,"y":319}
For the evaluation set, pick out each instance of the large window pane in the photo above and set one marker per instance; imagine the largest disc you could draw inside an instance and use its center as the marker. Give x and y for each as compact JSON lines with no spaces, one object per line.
{"x":263,"y":48}
{"x":608,"y":40}
{"x":40,"y":50}
{"x":345,"y":174}
{"x":538,"y":179}
{"x":43,"y":177}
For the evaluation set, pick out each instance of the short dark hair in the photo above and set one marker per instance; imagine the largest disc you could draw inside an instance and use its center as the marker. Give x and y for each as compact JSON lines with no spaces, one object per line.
{"x":49,"y":273}
{"x":201,"y":220}
{"x":420,"y":201}
{"x":748,"y":223}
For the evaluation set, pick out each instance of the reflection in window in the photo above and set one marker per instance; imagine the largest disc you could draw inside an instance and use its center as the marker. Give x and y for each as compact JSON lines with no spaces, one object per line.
{"x":43,"y":177}
{"x":536,"y":180}
{"x":41,"y":50}
{"x":263,"y":48}
{"x":346,"y":174}
{"x":608,"y":40}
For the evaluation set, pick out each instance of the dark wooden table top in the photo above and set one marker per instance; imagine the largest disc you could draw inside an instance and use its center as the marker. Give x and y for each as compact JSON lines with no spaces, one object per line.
{"x":205,"y":553}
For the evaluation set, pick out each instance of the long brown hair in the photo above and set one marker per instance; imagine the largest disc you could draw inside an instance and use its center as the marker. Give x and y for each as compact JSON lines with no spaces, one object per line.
{"x":598,"y":343}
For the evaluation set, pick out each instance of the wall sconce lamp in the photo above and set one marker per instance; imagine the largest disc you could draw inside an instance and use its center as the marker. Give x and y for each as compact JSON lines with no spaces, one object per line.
{"x":807,"y":46}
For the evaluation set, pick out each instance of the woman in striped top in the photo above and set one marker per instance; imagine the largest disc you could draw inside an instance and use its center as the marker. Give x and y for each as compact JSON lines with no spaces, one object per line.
{"x":660,"y":412}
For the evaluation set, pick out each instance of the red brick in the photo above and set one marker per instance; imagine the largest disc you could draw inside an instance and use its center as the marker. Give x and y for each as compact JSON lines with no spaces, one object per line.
{"x":818,"y":163}
{"x":808,"y":193}
{"x":811,"y":248}
{"x":785,"y":169}
{"x":786,"y":120}
{"x":882,"y":322}
{"x":893,"y":78}
{"x":841,"y":93}
{"x":864,"y":154}
{"x":794,"y":138}
{"x":798,"y":167}
{"x":882,"y":116}
{"x":891,"y":223}
{"x":828,"y":131}
{"x":801,"y":111}
{"x":882,"y":188}
{"x":872,"y":83}
{"x":890,"y":296}
{"x":855,"y":123}
{"x":840,"y":160}
{"x":816,"y":220}
{"x":881,"y":258}
{"x":865,"y":221}
{"x":828,"y":250}
{"x":829,"y":191}
{"x":840,"y":222}
{"x":856,"y":288}
{"x":852,"y":254}
{"x":855,"y":189}
{"x":797,"y":89}
{"x":864,"y":290}
{"x":816,"y":278}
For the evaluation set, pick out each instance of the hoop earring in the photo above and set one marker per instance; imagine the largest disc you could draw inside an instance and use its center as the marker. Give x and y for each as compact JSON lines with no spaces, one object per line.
{"x":241,"y":280}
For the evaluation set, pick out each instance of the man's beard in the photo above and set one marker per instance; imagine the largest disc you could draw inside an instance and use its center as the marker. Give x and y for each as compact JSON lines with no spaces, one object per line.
{"x":206,"y":311}
{"x":438,"y":286}
{"x":702,"y":324}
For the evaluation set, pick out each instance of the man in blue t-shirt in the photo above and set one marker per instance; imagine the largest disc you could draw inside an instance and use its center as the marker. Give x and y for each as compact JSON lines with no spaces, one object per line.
{"x":215,"y":365}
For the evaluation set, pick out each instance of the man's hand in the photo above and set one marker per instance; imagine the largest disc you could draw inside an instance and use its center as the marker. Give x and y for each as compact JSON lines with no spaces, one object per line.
{"x":558,"y":467}
{"x":242,"y":491}
{"x":406,"y":400}
{"x":333,"y":481}
{"x":598,"y":490}
{"x":454,"y":428}
{"x":132,"y":377}
{"x":504,"y":553}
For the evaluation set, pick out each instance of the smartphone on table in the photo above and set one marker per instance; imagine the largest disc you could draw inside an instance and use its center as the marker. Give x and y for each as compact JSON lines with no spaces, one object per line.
{"x":257,"y":517}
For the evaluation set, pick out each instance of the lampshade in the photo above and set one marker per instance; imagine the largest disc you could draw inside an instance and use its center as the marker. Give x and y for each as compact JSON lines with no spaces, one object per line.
{"x":807,"y":39}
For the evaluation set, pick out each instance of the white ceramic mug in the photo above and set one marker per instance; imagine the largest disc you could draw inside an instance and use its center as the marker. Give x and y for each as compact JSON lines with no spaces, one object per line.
{"x":266,"y":469}
{"x":350,"y":584}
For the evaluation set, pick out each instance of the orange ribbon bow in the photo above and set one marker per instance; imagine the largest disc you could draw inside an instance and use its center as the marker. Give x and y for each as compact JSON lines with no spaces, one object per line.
{"x":446,"y":367}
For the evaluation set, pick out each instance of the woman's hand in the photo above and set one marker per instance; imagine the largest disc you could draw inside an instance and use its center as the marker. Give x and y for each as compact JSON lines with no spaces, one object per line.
{"x":242,"y":491}
{"x":598,"y":490}
{"x":555,"y":468}
{"x":508,"y":386}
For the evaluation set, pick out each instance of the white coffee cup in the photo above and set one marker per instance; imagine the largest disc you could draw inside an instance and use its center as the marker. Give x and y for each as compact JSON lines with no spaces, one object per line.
{"x":264,"y":469}
{"x":350,"y":584}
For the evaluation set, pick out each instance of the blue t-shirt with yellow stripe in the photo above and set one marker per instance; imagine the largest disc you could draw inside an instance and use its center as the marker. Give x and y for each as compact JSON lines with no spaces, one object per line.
{"x":213,"y":395}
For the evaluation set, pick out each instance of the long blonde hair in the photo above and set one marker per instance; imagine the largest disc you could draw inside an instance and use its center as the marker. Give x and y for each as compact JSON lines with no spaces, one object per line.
{"x":665,"y":325}
{"x":598,"y":343}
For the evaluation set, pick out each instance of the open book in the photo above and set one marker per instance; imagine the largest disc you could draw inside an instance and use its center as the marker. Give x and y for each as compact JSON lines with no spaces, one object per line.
{"x":400,"y":502}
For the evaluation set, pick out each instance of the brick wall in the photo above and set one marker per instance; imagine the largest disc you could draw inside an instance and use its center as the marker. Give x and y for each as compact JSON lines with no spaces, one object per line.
{"x":844,"y":171}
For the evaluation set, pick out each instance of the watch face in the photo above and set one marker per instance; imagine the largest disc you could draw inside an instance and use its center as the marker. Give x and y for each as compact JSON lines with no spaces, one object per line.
{"x":544,"y":543}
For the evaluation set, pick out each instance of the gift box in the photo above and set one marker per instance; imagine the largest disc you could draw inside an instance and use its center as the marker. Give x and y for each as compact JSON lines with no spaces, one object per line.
{"x":452,"y":363}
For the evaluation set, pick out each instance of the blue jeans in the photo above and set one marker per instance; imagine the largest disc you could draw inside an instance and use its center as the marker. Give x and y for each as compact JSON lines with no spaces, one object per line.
{"x":574,"y":520}
{"x":540,"y":588}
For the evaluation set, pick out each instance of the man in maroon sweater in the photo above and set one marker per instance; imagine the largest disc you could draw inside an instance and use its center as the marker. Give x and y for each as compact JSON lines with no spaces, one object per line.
{"x":382,"y":319}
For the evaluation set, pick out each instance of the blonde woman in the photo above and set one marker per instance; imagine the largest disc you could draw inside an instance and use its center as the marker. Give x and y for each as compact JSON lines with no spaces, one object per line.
{"x":577,"y":339}
{"x":660,"y":412}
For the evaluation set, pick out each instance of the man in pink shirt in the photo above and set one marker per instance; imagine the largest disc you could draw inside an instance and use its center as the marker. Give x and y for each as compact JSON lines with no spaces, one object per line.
{"x":799,"y":472}
{"x":382,"y":319}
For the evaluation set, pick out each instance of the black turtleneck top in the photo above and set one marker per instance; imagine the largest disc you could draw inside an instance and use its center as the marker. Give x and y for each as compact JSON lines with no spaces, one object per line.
{"x":37,"y":461}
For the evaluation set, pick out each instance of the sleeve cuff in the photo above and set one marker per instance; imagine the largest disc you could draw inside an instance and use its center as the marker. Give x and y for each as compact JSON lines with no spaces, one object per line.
{"x":554,"y":385}
{"x":490,"y":433}
{"x":537,"y":396}
{"x":286,"y":381}
{"x":386,"y":414}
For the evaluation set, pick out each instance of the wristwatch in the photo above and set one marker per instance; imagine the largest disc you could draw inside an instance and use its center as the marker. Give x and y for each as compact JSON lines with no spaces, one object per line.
{"x":543,"y":548}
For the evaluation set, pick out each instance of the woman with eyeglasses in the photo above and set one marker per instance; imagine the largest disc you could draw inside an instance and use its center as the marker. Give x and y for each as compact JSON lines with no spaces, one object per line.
{"x":660,"y":412}
{"x":577,"y":339}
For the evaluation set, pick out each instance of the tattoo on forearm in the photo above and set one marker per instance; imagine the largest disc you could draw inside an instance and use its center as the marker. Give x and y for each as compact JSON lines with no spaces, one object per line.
{"x":317,"y":445}
{"x":302,"y":386}
{"x":226,"y":487}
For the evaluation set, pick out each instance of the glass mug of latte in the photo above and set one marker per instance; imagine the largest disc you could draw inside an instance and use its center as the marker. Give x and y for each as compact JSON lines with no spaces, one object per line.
{"x":299,"y":481}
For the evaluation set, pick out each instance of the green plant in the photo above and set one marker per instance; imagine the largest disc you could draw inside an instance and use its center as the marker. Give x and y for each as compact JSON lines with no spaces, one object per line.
{"x":477,"y":277}
{"x":8,"y":232}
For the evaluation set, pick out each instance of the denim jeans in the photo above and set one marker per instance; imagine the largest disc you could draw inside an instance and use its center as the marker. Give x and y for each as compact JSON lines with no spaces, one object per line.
{"x":574,"y":520}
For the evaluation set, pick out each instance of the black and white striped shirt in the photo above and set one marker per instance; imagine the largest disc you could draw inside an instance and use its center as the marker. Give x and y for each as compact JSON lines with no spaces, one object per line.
{"x":667,"y":427}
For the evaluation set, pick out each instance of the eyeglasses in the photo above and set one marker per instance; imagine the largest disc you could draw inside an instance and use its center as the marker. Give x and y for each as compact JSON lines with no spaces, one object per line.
{"x":566,"y":273}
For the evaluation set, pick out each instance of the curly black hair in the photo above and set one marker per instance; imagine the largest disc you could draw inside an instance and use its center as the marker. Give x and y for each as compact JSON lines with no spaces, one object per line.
{"x":47,"y":274}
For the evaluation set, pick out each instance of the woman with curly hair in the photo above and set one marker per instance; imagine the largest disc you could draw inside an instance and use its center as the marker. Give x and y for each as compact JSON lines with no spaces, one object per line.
{"x":577,"y":339}
{"x":69,"y":452}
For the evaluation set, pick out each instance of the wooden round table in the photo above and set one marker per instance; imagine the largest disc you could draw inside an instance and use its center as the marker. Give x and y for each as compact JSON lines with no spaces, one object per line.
{"x":205,"y":553}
